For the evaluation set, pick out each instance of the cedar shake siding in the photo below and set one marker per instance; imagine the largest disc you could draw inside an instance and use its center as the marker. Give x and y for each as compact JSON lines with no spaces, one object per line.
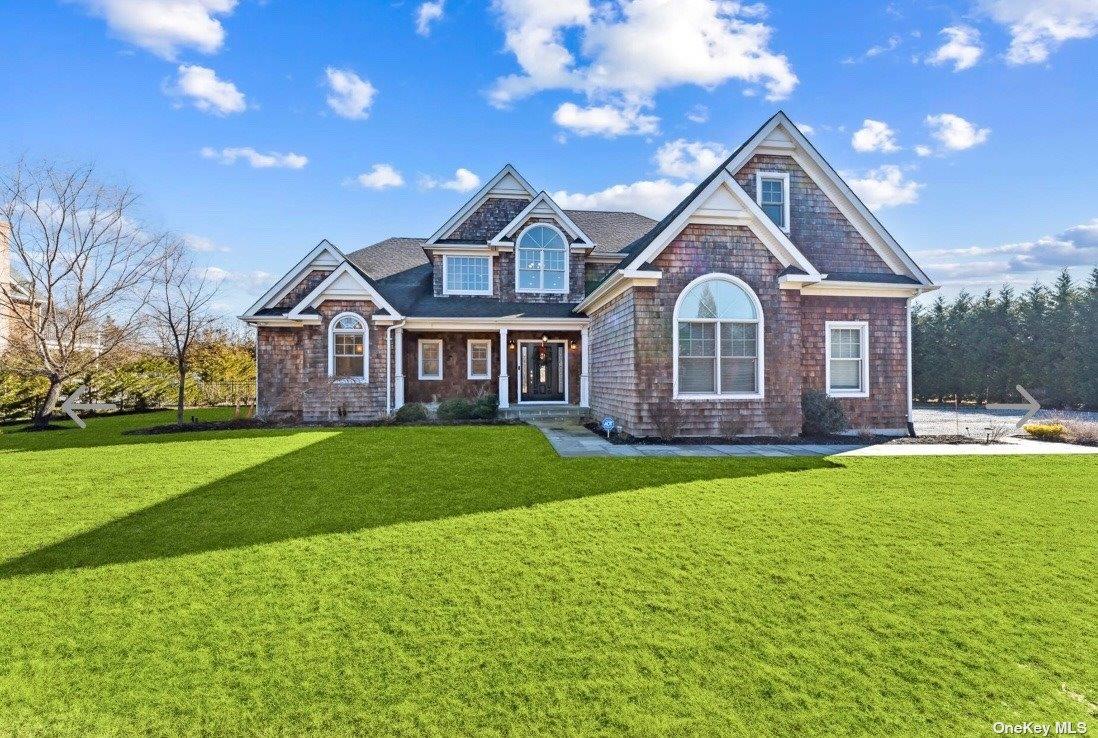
{"x":302,"y":288}
{"x":488,"y":219}
{"x":886,"y":406}
{"x":293,"y":372}
{"x":614,"y":362}
{"x":735,"y":250}
{"x":816,"y":226}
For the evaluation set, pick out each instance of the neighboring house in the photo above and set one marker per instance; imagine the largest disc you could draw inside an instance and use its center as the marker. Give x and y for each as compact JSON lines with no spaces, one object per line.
{"x":768,"y":280}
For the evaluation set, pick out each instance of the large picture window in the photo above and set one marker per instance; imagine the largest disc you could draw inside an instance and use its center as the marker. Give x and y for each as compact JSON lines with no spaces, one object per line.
{"x":541,"y":260}
{"x":847,"y":347}
{"x":348,"y":342}
{"x":718,"y":340}
{"x":467,"y":275}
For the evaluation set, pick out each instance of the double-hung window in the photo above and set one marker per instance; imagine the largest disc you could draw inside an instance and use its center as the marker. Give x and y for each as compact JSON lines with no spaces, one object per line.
{"x":718,"y":340}
{"x":541,"y":263}
{"x":847,"y":348}
{"x":430,"y":358}
{"x":467,"y":275}
{"x":772,"y":194}
{"x":479,"y":358}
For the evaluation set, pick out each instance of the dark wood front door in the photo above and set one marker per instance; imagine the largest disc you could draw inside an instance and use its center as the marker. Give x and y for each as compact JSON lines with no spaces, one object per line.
{"x":542,"y":371}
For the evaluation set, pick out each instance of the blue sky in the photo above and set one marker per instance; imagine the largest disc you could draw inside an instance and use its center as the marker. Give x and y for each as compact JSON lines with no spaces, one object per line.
{"x":259,"y":128}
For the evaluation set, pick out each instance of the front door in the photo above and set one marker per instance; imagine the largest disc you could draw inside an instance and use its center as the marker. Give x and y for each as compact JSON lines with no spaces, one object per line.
{"x":542,"y":371}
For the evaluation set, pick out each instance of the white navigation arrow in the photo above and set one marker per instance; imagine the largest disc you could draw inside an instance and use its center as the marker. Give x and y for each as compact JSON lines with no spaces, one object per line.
{"x":69,"y":406}
{"x":1031,"y":407}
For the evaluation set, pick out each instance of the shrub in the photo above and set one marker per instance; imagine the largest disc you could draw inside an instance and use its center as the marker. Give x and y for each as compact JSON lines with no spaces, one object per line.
{"x":668,"y":420}
{"x":413,"y":412}
{"x":1045,"y":431}
{"x":486,"y":407}
{"x":1081,"y":431}
{"x":822,"y":414}
{"x":455,"y":408}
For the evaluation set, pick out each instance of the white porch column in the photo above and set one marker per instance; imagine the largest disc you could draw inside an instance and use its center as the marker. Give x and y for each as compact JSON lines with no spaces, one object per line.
{"x":398,"y":382}
{"x":503,"y":379}
{"x":585,"y":370}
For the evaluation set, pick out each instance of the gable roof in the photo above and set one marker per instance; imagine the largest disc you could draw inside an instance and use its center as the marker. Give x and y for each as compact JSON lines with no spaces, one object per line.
{"x":324,"y":254}
{"x":819,"y":170}
{"x":346,"y":281}
{"x":389,"y":257}
{"x":542,"y":204}
{"x":507,"y":183}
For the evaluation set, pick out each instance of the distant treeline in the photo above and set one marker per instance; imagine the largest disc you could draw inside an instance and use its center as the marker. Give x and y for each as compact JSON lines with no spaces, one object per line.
{"x":979,"y":348}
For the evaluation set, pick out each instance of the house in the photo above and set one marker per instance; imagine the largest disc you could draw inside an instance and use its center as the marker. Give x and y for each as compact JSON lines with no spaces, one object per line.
{"x":771,"y":278}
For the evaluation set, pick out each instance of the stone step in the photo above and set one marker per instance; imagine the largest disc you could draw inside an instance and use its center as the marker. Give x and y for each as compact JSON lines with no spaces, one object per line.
{"x":523,"y":412}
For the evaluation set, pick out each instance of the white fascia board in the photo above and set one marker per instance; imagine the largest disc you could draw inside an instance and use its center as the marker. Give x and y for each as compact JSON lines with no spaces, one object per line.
{"x":615,"y":284}
{"x":344,"y":269}
{"x":849,"y":204}
{"x":511,"y":322}
{"x":543,"y":198}
{"x":464,"y":249}
{"x":865,"y":289}
{"x":277,"y":321}
{"x":772,"y":237}
{"x":475,"y":200}
{"x":290,"y":278}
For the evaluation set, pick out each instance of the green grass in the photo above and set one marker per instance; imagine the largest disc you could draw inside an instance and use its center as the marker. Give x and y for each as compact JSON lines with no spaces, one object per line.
{"x":467,"y":581}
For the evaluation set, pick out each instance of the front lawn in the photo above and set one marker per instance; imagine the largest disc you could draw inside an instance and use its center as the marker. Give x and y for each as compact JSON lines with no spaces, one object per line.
{"x":467,"y":580}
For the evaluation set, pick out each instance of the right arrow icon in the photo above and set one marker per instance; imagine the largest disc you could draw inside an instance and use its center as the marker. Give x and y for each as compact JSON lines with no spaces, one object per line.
{"x":1031,"y":408}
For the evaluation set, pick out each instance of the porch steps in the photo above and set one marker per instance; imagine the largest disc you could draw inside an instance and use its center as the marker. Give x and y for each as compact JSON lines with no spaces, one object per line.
{"x":545,"y":412}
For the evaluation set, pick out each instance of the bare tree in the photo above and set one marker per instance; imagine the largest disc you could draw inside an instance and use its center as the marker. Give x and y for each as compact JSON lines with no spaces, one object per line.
{"x":180,"y":309}
{"x":79,"y":257}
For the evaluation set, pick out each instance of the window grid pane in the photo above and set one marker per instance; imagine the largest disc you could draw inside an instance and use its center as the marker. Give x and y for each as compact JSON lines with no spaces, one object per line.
{"x":468,"y":273}
{"x":429,"y":359}
{"x":846,"y":343}
{"x":478,"y":359}
{"x":349,"y":366}
{"x":542,"y":260}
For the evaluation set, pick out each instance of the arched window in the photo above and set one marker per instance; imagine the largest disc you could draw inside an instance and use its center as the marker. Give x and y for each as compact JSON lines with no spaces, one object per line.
{"x":348,"y":347}
{"x":541,"y":262}
{"x":718,"y":340}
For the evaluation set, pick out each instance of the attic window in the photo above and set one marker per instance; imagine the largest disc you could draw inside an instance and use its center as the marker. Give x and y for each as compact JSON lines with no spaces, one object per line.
{"x":772,"y":194}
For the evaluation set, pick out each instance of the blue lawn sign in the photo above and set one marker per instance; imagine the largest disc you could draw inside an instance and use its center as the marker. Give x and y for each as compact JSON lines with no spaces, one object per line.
{"x":608,"y":425}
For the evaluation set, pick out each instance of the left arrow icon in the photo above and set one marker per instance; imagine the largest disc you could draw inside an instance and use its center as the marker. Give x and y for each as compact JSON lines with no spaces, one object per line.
{"x":70,"y":405}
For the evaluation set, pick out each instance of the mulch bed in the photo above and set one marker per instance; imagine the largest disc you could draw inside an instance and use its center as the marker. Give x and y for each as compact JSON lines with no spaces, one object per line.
{"x":253,"y":424}
{"x":624,"y":439}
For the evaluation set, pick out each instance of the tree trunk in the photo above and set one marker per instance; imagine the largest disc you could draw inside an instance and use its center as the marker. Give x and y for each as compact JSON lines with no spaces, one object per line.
{"x":45,"y":410}
{"x":182,"y":391}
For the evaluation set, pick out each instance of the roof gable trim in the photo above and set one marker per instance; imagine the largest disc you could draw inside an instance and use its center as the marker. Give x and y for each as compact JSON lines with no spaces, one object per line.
{"x":295,"y":274}
{"x":507,"y":183}
{"x":542,"y":204}
{"x":345,"y":274}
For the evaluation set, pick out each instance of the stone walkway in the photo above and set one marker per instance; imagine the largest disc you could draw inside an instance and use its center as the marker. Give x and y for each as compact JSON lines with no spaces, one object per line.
{"x":571,"y":439}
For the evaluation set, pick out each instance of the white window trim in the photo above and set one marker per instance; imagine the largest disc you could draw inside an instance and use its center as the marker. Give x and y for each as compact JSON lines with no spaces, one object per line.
{"x":487,"y":342}
{"x":567,"y":263}
{"x":419,"y":354}
{"x":365,"y":378}
{"x":760,"y":365}
{"x":862,"y":326}
{"x":784,"y":177}
{"x":446,"y":274}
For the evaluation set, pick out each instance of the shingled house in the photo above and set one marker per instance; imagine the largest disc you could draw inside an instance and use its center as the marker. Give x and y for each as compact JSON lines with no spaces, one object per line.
{"x":769,"y":279}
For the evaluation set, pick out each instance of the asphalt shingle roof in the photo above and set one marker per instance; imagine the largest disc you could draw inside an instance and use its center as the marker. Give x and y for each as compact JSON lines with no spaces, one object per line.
{"x":610,"y":230}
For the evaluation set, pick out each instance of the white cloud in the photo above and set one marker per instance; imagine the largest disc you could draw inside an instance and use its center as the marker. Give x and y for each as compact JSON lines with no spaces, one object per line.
{"x":689,"y":159}
{"x":962,"y":48}
{"x":884,"y":187}
{"x":653,"y":198}
{"x":630,"y":49}
{"x":1076,"y":246}
{"x":427,"y":14}
{"x":205,"y":91}
{"x":805,"y":128}
{"x":203,"y":244}
{"x":698,"y":114}
{"x":257,"y":160}
{"x":462,"y":181}
{"x":349,"y":95}
{"x":876,"y":50}
{"x":166,"y":26}
{"x":380,"y":177}
{"x":955,"y":133}
{"x":250,"y":283}
{"x":605,"y":120}
{"x":1038,"y":27}
{"x":874,"y":135}
{"x":923,"y":150}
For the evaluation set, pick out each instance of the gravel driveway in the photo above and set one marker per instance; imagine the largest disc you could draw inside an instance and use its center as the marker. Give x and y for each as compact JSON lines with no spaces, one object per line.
{"x":974,"y":422}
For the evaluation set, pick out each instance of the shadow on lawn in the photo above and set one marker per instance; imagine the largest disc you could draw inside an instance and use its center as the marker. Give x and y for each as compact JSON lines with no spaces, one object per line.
{"x":365,"y":479}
